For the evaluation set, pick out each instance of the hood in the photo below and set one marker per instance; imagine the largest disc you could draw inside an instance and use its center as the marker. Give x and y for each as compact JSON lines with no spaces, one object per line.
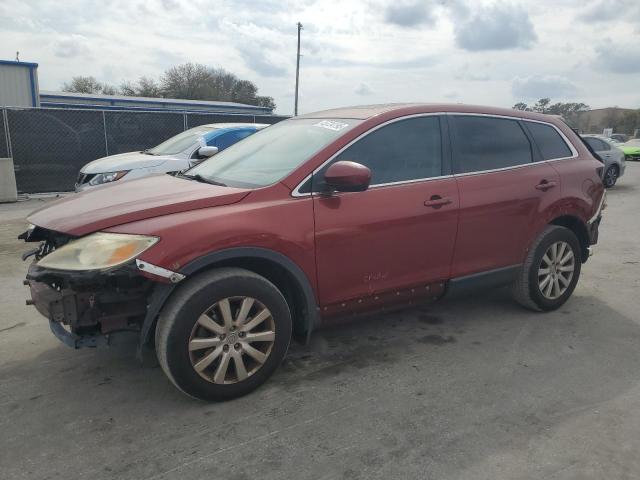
{"x":125,"y":202}
{"x":125,"y":161}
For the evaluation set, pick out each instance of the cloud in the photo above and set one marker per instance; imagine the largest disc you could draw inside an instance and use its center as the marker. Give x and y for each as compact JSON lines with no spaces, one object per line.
{"x":469,"y":74}
{"x":542,"y":86}
{"x":419,"y":62}
{"x":74,"y":46}
{"x":496,"y":27}
{"x":363,"y":90}
{"x":606,"y":11}
{"x":617,"y":59}
{"x":410,"y":15}
{"x":257,"y":61}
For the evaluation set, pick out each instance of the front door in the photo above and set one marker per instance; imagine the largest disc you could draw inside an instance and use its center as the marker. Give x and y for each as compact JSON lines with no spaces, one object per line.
{"x":399,"y":234}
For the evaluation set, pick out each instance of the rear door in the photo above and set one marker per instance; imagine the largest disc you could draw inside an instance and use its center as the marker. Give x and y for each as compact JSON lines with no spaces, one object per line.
{"x":396,"y":237}
{"x":504,"y":185}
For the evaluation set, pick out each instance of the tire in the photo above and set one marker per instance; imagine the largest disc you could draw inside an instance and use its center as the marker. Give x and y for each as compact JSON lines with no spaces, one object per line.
{"x":611,"y":176}
{"x":527,"y":288}
{"x":185,"y":340}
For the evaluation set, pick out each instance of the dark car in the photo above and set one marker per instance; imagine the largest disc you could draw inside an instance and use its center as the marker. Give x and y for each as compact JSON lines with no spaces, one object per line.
{"x":319,"y":217}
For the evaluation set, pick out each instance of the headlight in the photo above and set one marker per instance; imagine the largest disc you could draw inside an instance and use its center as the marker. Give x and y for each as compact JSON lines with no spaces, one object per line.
{"x":97,"y":251}
{"x":107,"y":177}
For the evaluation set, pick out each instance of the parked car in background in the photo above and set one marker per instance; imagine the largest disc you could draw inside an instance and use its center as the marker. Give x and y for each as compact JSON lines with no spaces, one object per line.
{"x":611,"y":155}
{"x":315,"y":219}
{"x":173,"y":155}
{"x":631,"y":149}
{"x":619,"y":137}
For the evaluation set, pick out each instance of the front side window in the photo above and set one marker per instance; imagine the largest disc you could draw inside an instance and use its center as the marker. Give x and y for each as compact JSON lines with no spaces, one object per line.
{"x":272,"y":153}
{"x":405,"y":150}
{"x":488,"y":143}
{"x":549,"y":141}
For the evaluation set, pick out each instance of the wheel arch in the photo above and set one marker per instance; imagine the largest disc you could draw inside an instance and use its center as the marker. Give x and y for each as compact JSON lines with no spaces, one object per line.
{"x":280,"y":270}
{"x":579,"y":229}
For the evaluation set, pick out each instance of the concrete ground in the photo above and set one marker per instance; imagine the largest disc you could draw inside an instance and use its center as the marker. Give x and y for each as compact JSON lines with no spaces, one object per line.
{"x":473,"y":389}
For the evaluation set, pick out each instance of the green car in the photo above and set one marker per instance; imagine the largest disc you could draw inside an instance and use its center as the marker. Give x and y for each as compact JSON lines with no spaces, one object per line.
{"x":631,"y":149}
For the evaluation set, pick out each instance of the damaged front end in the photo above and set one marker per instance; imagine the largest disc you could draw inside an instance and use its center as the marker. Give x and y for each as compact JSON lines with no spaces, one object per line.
{"x":85,"y":308}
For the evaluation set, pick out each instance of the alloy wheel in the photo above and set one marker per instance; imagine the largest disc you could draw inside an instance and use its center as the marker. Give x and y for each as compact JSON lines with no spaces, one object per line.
{"x":231,"y":340}
{"x":610,"y":177}
{"x":556,"y":270}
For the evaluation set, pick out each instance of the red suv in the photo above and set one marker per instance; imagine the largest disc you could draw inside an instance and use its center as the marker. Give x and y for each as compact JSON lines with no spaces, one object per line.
{"x":321,"y":216}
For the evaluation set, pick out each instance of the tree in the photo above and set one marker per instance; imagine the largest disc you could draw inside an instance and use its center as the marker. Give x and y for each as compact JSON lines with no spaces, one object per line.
{"x":109,"y":90}
{"x":192,"y":81}
{"x":195,"y":81}
{"x":569,"y":111}
{"x":144,"y":87}
{"x":82,"y":84}
{"x":541,"y":105}
{"x":266,"y":102}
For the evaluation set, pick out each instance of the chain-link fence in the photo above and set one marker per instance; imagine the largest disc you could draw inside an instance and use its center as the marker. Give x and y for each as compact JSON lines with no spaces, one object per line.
{"x":49,"y":146}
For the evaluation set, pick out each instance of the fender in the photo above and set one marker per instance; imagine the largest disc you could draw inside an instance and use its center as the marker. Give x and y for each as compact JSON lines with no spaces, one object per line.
{"x":163,"y":291}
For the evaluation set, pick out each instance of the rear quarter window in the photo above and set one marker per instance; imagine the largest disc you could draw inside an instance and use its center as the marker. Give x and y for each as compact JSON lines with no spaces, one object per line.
{"x":549,"y":141}
{"x":488,"y":143}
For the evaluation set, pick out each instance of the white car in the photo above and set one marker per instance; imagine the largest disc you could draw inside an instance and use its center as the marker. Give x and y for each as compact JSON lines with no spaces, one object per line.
{"x":173,"y":155}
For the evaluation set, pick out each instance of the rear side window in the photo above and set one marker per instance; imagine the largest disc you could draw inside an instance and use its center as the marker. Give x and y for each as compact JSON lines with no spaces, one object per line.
{"x":488,"y":143}
{"x":409,"y":149}
{"x":549,"y":141}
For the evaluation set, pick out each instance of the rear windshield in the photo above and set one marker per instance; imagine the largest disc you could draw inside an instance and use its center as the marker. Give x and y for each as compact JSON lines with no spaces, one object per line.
{"x":271,"y":154}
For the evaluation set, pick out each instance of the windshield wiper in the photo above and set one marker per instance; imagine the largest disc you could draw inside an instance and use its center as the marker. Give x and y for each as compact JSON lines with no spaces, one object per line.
{"x":147,"y":152}
{"x":199,"y":178}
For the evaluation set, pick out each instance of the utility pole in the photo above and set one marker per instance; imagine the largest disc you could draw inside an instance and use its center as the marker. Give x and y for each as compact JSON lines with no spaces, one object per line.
{"x":295,"y":110}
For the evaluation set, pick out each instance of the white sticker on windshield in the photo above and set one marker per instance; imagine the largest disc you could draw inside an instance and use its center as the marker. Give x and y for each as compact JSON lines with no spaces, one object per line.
{"x":331,"y":125}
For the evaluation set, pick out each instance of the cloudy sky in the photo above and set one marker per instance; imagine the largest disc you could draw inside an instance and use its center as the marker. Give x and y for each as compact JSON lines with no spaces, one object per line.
{"x":354,"y":52}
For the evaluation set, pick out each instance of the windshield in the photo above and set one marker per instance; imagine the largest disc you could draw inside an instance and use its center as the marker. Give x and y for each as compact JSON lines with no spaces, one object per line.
{"x":273,"y":153}
{"x":633,"y":143}
{"x":180,"y":142}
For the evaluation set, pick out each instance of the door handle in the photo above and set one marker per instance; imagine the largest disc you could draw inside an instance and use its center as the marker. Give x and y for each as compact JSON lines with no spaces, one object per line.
{"x":545,"y":185}
{"x":436,"y":201}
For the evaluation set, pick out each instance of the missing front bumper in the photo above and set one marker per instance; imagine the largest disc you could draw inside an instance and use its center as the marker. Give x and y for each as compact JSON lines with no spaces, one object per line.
{"x":84,"y":311}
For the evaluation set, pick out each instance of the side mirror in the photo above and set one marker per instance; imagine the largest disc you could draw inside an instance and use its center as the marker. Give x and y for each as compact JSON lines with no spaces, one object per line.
{"x":346,"y":176}
{"x":208,"y":151}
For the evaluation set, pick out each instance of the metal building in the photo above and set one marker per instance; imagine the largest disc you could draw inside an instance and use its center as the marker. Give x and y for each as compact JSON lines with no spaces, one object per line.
{"x":121,"y":102}
{"x":19,"y":84}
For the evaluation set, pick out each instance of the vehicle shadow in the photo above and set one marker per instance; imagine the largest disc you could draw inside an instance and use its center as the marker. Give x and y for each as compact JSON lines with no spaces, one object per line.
{"x":431,"y":382}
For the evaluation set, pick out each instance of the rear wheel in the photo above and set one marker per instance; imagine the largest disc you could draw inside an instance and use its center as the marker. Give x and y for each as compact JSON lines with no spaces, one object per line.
{"x":610,"y":176}
{"x":223,"y":334}
{"x":551,"y":270}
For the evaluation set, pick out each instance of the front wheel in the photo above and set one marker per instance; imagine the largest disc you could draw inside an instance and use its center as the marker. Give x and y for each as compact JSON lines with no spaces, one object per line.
{"x":551,"y":270}
{"x":610,"y":176}
{"x":223,"y":333}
